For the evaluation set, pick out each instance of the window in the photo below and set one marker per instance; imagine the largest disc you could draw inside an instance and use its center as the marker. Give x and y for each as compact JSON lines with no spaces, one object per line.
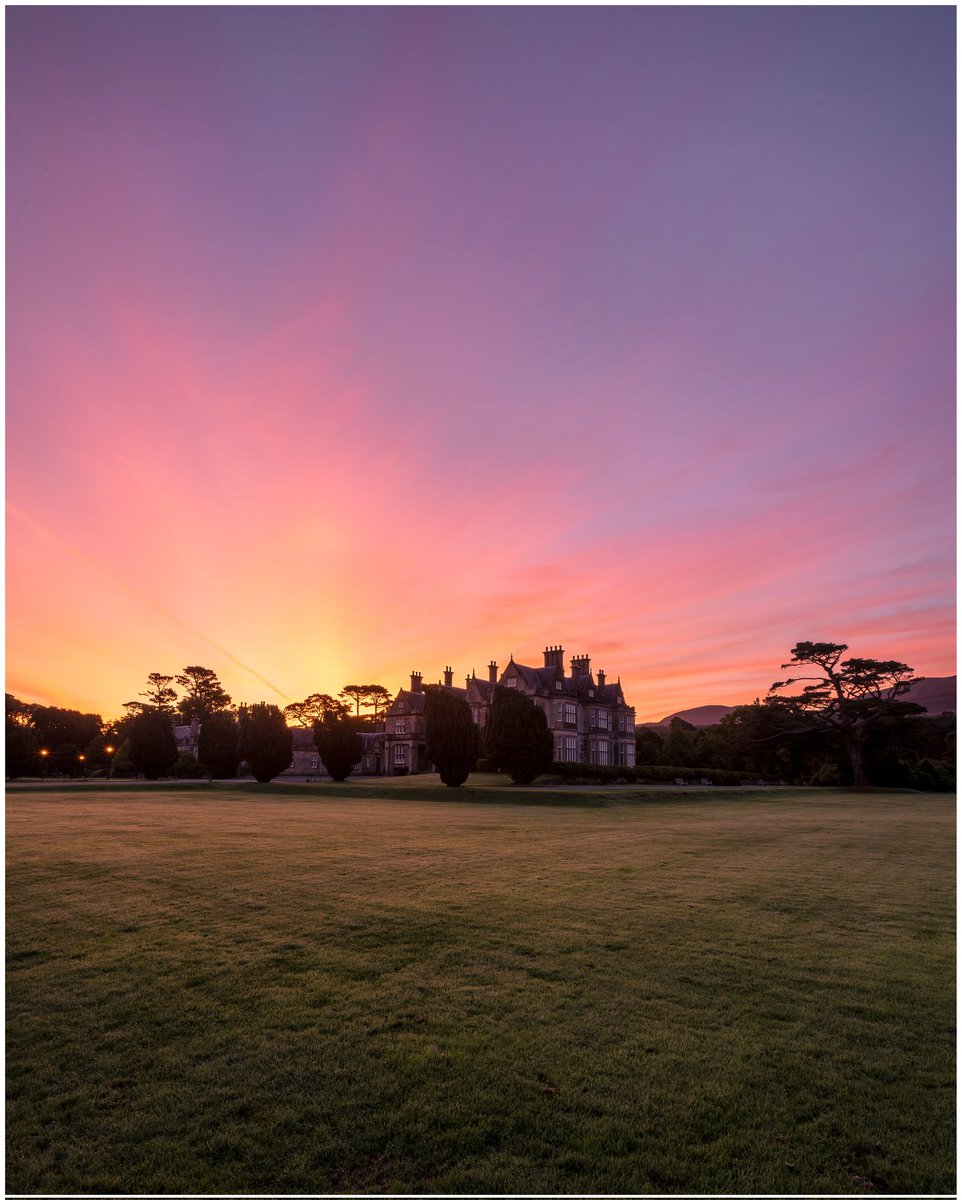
{"x":598,"y":718}
{"x":566,"y":749}
{"x":626,"y":723}
{"x":313,"y":762}
{"x":626,"y":754}
{"x":512,"y":682}
{"x":400,"y":756}
{"x":599,"y":752}
{"x":568,"y":715}
{"x":400,"y":726}
{"x":557,"y":685}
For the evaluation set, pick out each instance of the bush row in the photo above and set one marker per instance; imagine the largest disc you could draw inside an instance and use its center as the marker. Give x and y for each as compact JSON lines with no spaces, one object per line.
{"x":649,"y":773}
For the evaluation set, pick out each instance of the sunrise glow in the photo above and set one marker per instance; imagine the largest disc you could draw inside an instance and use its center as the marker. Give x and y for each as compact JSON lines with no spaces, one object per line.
{"x":349,"y":342}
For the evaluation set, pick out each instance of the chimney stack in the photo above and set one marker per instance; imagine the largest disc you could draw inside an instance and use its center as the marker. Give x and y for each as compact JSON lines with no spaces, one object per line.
{"x":601,"y":679}
{"x":415,"y":681}
{"x":554,"y":656}
{"x":580,"y":666}
{"x":492,"y":671}
{"x":448,"y":676}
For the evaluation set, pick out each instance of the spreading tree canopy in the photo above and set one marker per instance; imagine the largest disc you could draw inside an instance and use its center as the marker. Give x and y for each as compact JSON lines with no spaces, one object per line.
{"x":159,"y":693}
{"x":339,"y":746}
{"x":367,"y":695}
{"x":317,"y":707}
{"x":266,"y":744}
{"x":517,"y":738}
{"x":845,"y":697}
{"x":451,"y":736}
{"x":203,"y":696}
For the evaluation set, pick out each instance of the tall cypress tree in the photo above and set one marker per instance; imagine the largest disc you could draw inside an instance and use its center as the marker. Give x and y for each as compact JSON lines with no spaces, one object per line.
{"x":451,"y":736}
{"x":218,"y":745}
{"x":266,"y":743}
{"x":339,"y":746}
{"x":517,"y":738}
{"x":153,"y":747}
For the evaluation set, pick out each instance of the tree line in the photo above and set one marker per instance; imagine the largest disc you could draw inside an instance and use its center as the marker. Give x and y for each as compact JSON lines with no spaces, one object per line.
{"x":47,"y":740}
{"x":844,"y":721}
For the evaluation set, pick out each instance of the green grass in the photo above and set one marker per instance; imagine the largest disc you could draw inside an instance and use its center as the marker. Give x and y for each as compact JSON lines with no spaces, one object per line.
{"x":393,"y":988}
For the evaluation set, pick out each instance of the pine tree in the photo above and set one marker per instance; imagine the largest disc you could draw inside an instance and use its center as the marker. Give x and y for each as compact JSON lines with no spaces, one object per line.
{"x":266,"y":744}
{"x":451,"y":736}
{"x":517,"y":739}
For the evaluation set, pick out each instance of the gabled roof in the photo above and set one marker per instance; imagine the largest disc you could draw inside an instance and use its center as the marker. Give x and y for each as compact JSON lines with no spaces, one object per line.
{"x":406,"y":701}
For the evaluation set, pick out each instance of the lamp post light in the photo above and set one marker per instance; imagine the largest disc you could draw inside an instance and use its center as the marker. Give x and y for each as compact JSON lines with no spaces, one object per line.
{"x":109,"y":751}
{"x":82,"y":758}
{"x":44,"y":754}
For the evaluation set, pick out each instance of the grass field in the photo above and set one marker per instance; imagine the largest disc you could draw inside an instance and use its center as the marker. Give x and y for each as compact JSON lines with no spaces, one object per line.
{"x":333,"y":989}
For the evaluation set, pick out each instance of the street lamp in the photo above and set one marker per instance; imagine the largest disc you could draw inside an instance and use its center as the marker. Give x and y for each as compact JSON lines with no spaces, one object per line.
{"x":109,"y":751}
{"x":43,"y":763}
{"x":82,"y":758}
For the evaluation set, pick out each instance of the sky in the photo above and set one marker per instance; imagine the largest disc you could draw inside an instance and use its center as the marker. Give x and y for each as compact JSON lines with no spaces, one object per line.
{"x":348,"y":342}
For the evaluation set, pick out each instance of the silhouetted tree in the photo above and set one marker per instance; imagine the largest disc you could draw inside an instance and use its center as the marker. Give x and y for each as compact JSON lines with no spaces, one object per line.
{"x":451,"y":736}
{"x":317,"y":707}
{"x":203,"y":696}
{"x":218,"y":745}
{"x":339,"y":746}
{"x":159,"y":693}
{"x":21,"y":741}
{"x":678,"y":749}
{"x":266,"y":743}
{"x":61,"y":726}
{"x":378,"y":699}
{"x":845,"y":697}
{"x":355,"y":693}
{"x":649,"y":747}
{"x":517,"y":738}
{"x":151,"y":743}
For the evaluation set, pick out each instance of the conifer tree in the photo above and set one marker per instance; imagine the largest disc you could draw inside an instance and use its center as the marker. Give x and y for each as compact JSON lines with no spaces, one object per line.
{"x":218,"y":745}
{"x":152,"y":745}
{"x":266,"y":743}
{"x":517,"y":739}
{"x":451,"y":736}
{"x":339,"y":746}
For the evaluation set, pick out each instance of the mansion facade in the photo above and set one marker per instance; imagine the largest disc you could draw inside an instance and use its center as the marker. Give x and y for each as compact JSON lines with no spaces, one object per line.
{"x":589,"y":718}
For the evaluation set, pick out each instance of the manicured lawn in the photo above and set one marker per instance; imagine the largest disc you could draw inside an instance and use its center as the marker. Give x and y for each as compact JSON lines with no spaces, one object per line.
{"x":310,"y":988}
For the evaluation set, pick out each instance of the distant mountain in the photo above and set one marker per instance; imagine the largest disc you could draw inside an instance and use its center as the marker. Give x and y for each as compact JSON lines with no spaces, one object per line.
{"x":705,"y":714}
{"x":935,"y":695}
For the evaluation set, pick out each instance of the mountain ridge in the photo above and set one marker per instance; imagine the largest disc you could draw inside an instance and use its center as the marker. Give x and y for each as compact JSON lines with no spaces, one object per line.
{"x":935,"y":694}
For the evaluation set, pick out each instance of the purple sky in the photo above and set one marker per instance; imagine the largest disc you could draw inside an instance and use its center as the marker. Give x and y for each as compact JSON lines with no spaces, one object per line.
{"x":346,"y":342}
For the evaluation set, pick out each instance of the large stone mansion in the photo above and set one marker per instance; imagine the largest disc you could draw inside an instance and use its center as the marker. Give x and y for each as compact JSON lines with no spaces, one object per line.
{"x":589,"y":718}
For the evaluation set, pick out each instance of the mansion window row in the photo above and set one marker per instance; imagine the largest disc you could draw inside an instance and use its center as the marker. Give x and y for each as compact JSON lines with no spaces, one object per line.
{"x":597,"y":751}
